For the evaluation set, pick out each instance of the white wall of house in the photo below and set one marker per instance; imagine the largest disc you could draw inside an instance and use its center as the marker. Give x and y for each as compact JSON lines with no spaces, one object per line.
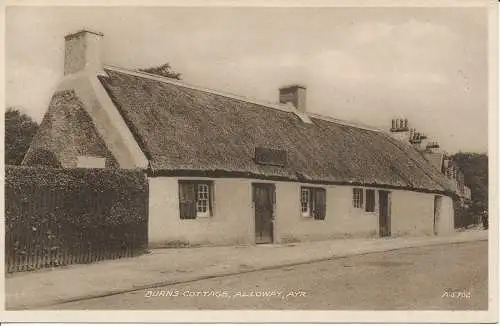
{"x":231,"y":223}
{"x":445,"y":224}
{"x":412,"y":213}
{"x":341,"y":220}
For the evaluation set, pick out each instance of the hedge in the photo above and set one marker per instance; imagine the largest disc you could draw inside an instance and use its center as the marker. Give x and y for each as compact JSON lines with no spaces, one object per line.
{"x":465,"y":216}
{"x":62,"y":216}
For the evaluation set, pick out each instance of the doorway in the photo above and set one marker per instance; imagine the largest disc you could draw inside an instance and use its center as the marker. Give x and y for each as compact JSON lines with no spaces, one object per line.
{"x":384,"y":213}
{"x":263,"y":201}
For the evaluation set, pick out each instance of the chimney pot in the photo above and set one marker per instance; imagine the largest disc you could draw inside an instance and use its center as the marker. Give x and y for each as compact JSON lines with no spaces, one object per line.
{"x":398,"y":130}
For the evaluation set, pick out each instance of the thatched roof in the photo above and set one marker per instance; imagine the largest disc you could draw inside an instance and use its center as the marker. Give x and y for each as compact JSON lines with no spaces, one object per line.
{"x":185,"y":129}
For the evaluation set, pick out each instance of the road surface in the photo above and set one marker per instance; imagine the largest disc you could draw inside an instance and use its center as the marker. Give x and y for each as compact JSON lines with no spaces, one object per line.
{"x":447,"y":277}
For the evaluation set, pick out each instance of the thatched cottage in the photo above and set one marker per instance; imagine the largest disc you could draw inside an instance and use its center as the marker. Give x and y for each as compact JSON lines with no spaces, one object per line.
{"x":225,"y":169}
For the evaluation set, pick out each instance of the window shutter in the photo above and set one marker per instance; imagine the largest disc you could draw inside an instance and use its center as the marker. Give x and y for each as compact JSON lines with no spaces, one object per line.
{"x":319,"y":204}
{"x":187,"y":200}
{"x":370,"y":200}
{"x":211,"y":198}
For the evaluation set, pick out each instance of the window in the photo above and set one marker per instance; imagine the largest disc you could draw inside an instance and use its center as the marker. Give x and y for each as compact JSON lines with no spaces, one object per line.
{"x":195,"y":199}
{"x":202,"y":200}
{"x":91,"y":162}
{"x":357,"y":197}
{"x":305,"y":201}
{"x":370,"y":200}
{"x":313,"y":202}
{"x":270,"y":156}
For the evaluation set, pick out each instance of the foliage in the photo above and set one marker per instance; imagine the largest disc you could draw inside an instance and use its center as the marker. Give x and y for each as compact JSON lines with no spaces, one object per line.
{"x":73,"y":213}
{"x":19,"y":131}
{"x":42,"y":157}
{"x":475,"y":169}
{"x":164,"y":70}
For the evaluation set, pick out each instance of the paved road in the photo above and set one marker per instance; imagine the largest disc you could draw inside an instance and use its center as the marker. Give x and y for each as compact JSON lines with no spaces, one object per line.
{"x":450,"y":277}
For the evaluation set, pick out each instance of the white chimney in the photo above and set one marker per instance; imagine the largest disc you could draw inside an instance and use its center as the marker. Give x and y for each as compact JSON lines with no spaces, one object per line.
{"x":399,"y":129}
{"x":419,"y":141}
{"x":294,"y":94}
{"x":434,"y":155}
{"x":82,"y":52}
{"x":432,"y":147}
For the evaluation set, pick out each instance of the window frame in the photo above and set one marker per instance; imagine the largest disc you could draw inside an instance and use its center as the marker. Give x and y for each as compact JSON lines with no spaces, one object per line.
{"x":308,"y":212}
{"x":209,"y":201}
{"x":314,"y":209}
{"x":357,"y":198}
{"x":90,"y":162}
{"x":203,"y":202}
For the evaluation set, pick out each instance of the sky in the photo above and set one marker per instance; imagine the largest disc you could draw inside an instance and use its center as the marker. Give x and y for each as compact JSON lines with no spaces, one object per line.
{"x":361,"y":64}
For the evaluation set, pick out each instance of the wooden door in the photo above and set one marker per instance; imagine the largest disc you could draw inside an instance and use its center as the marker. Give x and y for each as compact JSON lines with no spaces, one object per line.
{"x":263,"y":199}
{"x":384,"y":214}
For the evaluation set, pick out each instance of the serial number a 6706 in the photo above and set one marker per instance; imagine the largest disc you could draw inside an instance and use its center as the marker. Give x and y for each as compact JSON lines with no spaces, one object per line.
{"x":456,"y":294}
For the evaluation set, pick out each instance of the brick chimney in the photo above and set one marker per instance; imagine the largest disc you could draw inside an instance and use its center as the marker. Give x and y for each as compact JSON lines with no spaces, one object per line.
{"x":82,"y":52}
{"x":294,"y":94}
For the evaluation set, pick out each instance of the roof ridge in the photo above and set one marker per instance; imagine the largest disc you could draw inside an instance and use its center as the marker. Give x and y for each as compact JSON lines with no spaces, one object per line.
{"x":278,"y":106}
{"x":138,"y":73}
{"x":343,"y":122}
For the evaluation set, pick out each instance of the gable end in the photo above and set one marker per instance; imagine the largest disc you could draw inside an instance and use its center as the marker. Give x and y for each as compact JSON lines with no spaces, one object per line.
{"x":67,"y":131}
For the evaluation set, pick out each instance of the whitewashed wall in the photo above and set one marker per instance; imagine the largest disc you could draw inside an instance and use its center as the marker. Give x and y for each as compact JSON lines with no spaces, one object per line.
{"x":446,"y":223}
{"x":231,"y":223}
{"x":412,"y":213}
{"x":341,"y":220}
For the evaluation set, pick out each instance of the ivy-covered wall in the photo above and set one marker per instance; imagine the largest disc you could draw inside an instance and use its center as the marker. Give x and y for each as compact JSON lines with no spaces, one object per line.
{"x":63,"y":216}
{"x":66,"y":132}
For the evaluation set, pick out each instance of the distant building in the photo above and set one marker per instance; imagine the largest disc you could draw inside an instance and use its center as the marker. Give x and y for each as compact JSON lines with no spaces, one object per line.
{"x":434,"y":155}
{"x":225,"y":169}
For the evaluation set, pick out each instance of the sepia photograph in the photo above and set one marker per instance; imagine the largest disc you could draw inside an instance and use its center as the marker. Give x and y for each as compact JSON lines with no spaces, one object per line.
{"x":250,"y":159}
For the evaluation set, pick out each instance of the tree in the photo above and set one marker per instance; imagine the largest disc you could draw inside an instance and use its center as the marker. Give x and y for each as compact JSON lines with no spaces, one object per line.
{"x":19,"y":131}
{"x":164,"y":70}
{"x":475,"y":169}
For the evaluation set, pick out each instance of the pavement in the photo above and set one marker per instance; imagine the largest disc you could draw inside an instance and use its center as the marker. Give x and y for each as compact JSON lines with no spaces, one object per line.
{"x":163,"y":267}
{"x":406,"y":279}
